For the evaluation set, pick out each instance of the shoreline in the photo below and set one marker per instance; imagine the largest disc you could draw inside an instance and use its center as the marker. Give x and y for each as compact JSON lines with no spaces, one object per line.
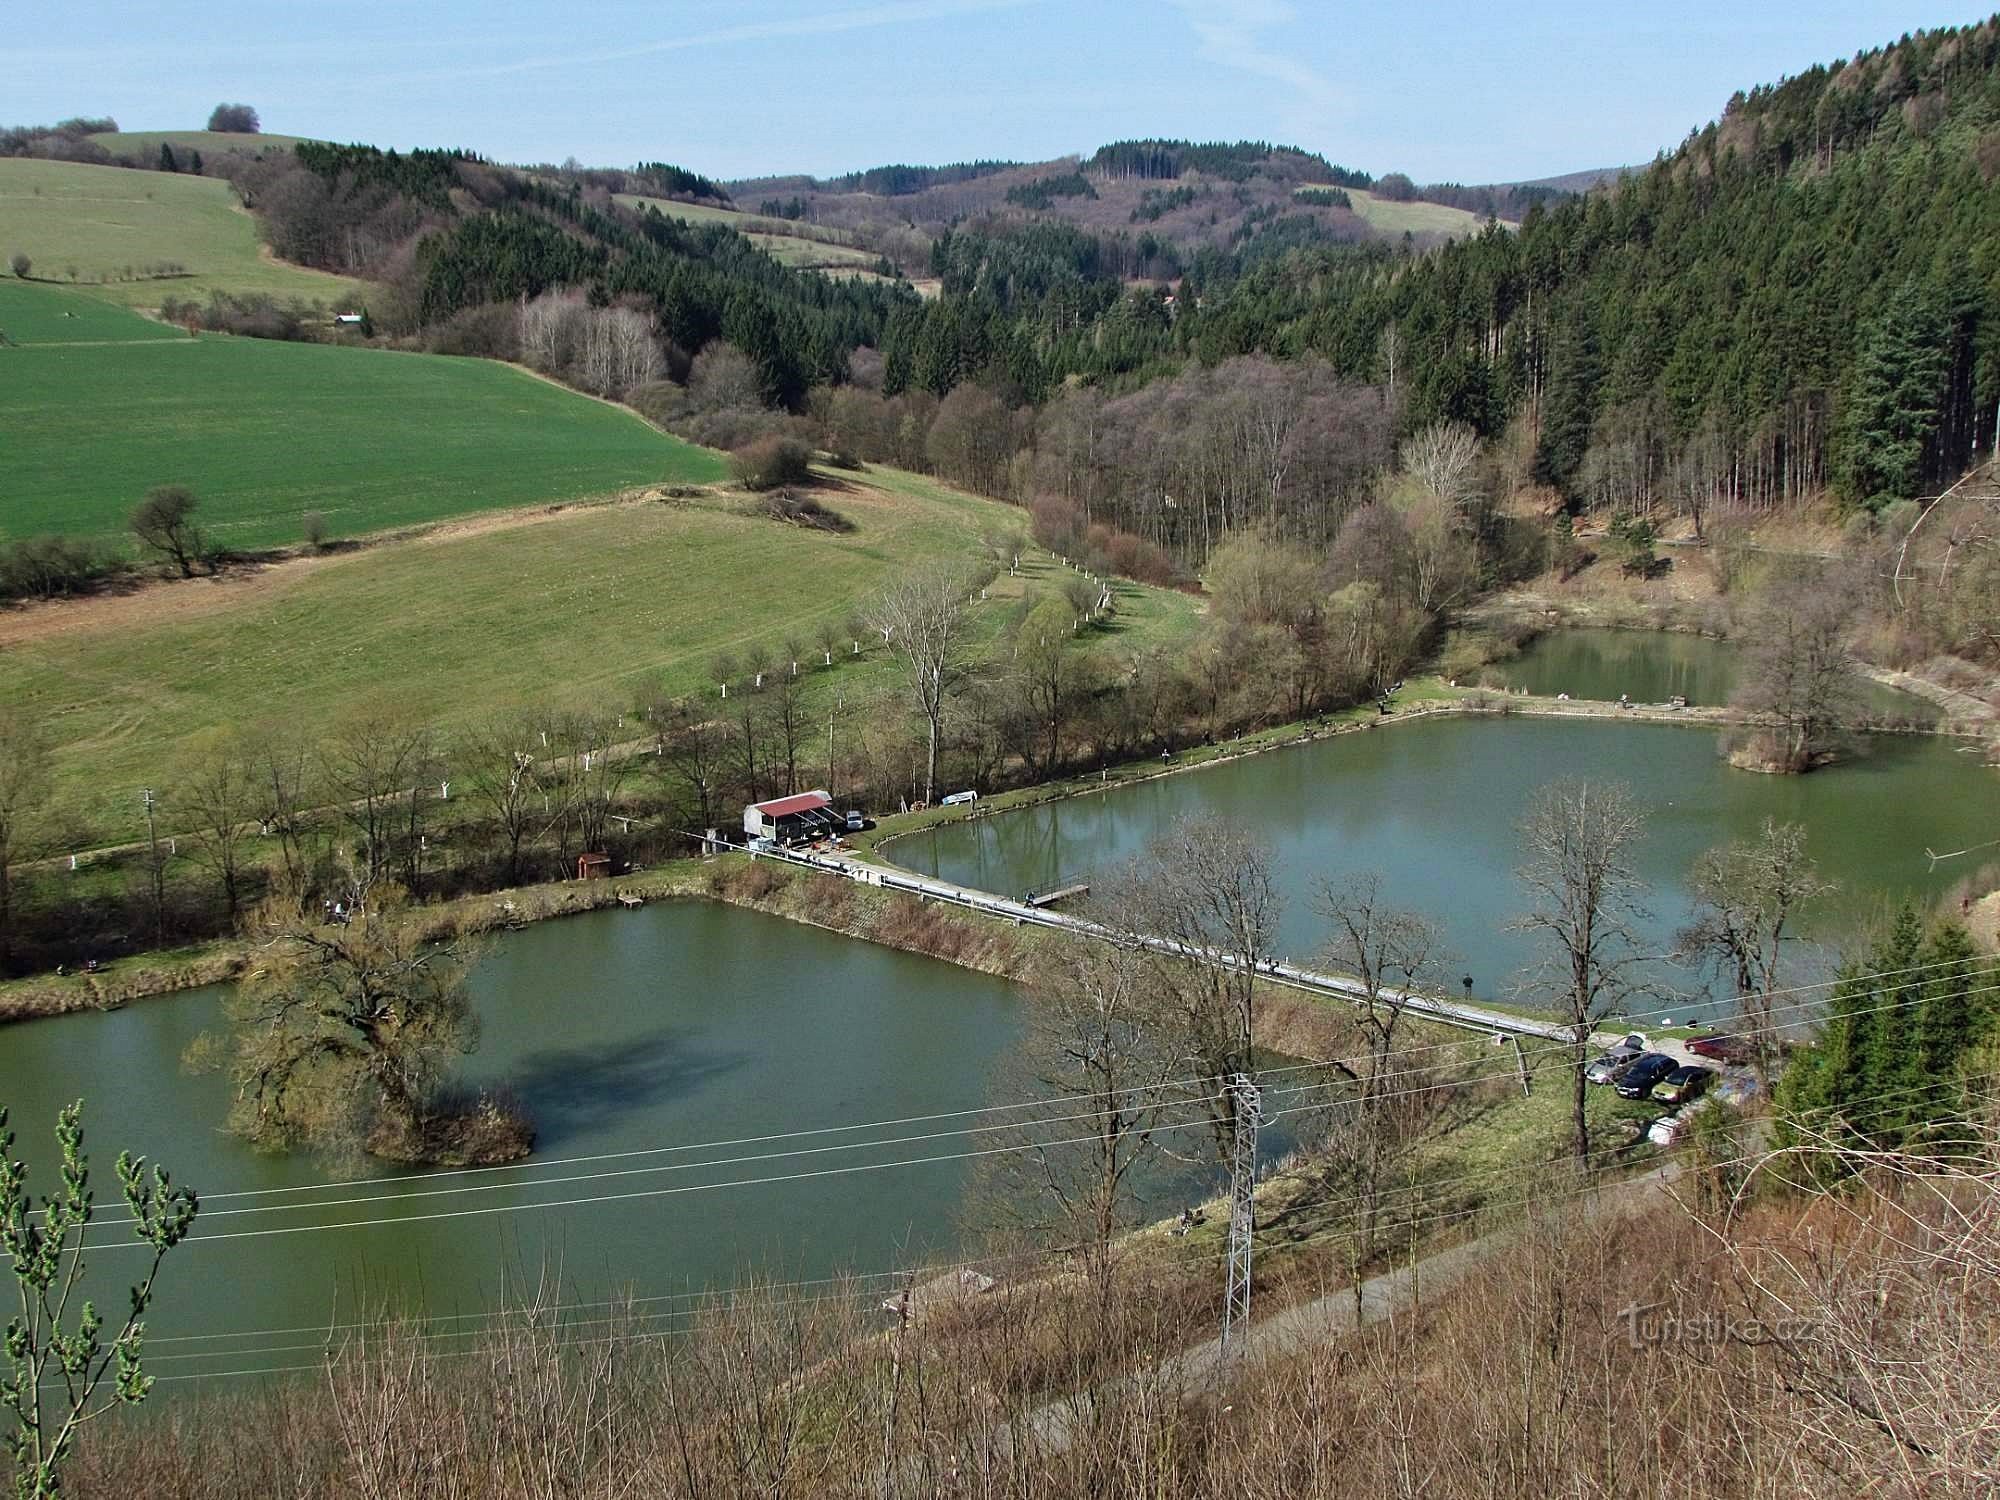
{"x":147,"y":975}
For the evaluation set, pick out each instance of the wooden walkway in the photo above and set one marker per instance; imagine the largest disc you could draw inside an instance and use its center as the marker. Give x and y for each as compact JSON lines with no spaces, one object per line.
{"x":1040,"y":899}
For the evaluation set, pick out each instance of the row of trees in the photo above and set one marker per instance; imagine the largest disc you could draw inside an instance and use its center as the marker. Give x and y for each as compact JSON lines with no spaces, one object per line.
{"x":521,"y":796}
{"x":608,"y":351}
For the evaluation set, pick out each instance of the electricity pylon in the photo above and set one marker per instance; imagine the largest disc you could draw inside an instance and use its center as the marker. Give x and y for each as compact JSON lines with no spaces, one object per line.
{"x":1242,"y":1209}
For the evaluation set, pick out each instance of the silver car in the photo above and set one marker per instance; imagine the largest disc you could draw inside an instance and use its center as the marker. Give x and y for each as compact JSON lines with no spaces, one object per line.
{"x":1610,"y":1066}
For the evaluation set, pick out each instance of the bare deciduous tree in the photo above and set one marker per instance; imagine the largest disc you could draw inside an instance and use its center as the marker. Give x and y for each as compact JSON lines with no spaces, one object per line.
{"x":1392,"y":952}
{"x":1797,"y":678}
{"x":786,"y":714}
{"x":1444,"y":458}
{"x":1096,"y":1042}
{"x":285,"y":771}
{"x":501,"y":768}
{"x":1579,"y":838}
{"x":164,"y":524}
{"x":380,"y":767}
{"x":1207,"y":888}
{"x":1748,"y":892}
{"x":216,"y":797}
{"x":24,"y":784}
{"x":923,"y":621}
{"x":694,"y":747}
{"x":1052,"y":676}
{"x":235,"y":119}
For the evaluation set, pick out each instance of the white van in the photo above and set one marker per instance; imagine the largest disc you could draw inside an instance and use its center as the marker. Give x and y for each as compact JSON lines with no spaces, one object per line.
{"x":957,"y":797}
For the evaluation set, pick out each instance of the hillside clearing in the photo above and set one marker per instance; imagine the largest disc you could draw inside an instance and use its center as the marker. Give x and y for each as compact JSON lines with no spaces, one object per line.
{"x":264,"y":432}
{"x":147,"y":143}
{"x":592,"y":609}
{"x":1389,"y":217}
{"x":109,"y":229}
{"x":803,"y":247}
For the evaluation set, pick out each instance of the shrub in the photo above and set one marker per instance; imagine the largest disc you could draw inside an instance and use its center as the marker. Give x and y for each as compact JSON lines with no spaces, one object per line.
{"x":769,"y":462}
{"x":827,"y":900}
{"x":313,"y":525}
{"x":489,"y":331}
{"x":254,"y":316}
{"x":803,"y":510}
{"x":49,"y":567}
{"x":759,"y":880}
{"x":21,"y":265}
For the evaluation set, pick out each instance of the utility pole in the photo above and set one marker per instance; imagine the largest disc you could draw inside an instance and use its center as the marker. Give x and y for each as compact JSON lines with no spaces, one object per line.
{"x":159,"y":875}
{"x":1249,"y":1113}
{"x":831,"y":714}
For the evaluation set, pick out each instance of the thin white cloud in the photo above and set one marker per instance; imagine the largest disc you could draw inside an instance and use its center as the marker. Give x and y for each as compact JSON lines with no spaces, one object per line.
{"x":1231,"y":33}
{"x":825,"y":23}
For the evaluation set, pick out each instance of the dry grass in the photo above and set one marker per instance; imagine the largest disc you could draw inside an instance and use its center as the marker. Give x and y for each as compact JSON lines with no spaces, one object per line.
{"x":1826,"y":1348}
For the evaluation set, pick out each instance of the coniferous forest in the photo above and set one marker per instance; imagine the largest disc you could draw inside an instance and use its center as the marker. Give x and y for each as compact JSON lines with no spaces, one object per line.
{"x":1806,"y":293}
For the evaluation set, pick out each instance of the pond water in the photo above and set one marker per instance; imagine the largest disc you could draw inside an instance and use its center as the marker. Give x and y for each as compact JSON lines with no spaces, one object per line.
{"x":683,"y":1023}
{"x":1653,"y":666}
{"x":1433,"y":807}
{"x":694,"y":1024}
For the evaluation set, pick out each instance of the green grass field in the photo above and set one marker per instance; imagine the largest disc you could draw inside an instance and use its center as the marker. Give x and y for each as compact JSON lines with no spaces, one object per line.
{"x":1413,"y":218}
{"x":35,"y":314}
{"x":588,"y":608}
{"x":109,"y":224}
{"x":146,"y":143}
{"x":264,"y":432}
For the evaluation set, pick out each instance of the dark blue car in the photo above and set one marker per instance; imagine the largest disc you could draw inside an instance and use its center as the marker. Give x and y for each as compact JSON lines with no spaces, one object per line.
{"x":1637,"y":1081}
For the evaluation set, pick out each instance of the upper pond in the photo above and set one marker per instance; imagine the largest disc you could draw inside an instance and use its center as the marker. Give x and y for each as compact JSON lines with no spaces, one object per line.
{"x":1434,"y":807}
{"x":1654,"y":667}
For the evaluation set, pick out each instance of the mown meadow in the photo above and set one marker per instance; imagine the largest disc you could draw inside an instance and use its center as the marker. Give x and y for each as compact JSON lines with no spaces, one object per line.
{"x":266,"y":432}
{"x":113,"y":230}
{"x":591,"y":608}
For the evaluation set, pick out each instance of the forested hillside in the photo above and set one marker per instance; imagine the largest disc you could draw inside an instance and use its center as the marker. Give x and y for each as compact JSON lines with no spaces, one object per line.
{"x":1805,"y":294}
{"x":455,"y":242}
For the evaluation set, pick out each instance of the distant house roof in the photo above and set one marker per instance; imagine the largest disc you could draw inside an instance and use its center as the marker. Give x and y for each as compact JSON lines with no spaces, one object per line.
{"x":781,"y":807}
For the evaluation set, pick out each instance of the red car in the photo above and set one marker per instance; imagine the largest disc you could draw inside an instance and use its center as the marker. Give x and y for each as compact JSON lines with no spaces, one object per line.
{"x":1722,"y":1048}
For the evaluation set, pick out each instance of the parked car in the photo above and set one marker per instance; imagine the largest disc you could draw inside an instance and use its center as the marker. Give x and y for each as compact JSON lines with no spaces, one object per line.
{"x":1638,"y":1080}
{"x":1685,"y":1083}
{"x":1621,"y":1055}
{"x":958,"y":797}
{"x":1610,"y":1066}
{"x":856,"y":823}
{"x":1669,"y":1129}
{"x":1723,"y":1048}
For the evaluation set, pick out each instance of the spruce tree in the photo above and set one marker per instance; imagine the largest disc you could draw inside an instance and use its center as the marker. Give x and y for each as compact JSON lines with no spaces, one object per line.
{"x":1886,"y":1096}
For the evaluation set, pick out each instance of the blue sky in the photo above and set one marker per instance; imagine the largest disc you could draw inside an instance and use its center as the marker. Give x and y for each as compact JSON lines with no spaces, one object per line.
{"x":1444,"y":91}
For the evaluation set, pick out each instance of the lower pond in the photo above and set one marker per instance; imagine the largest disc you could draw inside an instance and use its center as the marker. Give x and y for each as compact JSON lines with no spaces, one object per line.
{"x":1433,"y":808}
{"x":1650,"y":666}
{"x":622,"y":1032}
